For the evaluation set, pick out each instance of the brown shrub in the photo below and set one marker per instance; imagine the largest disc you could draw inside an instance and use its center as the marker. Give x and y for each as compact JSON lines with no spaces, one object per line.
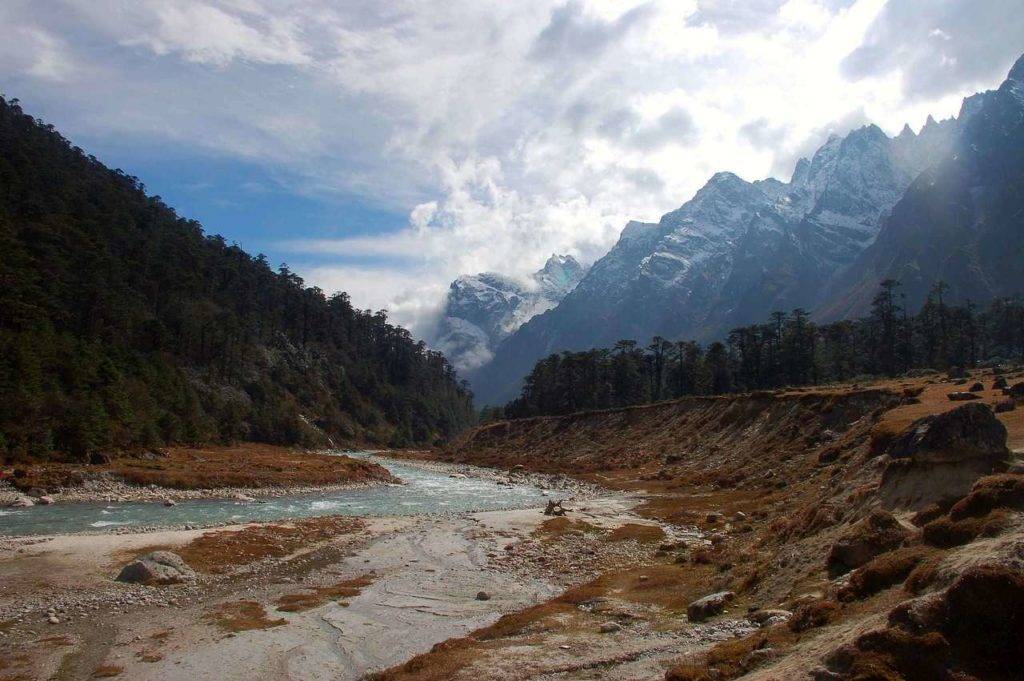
{"x":812,"y":615}
{"x":984,"y":621}
{"x":882,"y":572}
{"x":989,"y":493}
{"x":893,"y":654}
{"x":922,"y":576}
{"x":947,"y":533}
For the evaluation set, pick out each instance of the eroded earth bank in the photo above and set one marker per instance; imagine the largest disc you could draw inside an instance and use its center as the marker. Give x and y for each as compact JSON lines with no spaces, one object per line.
{"x":856,"y":532}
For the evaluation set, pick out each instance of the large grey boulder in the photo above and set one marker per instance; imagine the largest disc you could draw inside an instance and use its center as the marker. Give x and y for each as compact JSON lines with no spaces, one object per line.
{"x":708,"y":606}
{"x":941,"y":456}
{"x":158,"y":567}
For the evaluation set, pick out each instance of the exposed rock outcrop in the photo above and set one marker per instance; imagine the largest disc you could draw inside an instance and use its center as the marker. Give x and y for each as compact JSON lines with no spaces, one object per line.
{"x":940,"y":457}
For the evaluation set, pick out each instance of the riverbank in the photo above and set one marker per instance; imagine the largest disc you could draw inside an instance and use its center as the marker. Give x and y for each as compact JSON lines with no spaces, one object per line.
{"x":350,"y":595}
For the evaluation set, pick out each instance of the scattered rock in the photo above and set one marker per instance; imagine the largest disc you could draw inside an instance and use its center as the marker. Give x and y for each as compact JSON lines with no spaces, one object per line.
{"x":962,"y":396}
{"x":1017,"y":391}
{"x":713,"y":516}
{"x":976,"y":387}
{"x":483,"y":596}
{"x":708,"y":606}
{"x":1005,"y":406}
{"x":245,"y":498}
{"x":769,"y":616}
{"x":45,"y":500}
{"x":158,"y":567}
{"x":610,"y":627}
{"x":999,"y":383}
{"x":170,"y":502}
{"x":22,"y":502}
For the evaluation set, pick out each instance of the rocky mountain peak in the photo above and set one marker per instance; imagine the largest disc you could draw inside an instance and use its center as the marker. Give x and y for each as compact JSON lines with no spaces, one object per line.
{"x":483,"y":309}
{"x":1017,"y":71}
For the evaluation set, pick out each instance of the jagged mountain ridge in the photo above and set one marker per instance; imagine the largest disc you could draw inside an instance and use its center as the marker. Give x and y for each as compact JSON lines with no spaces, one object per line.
{"x":960,"y":222}
{"x":733,"y":252}
{"x":483,"y":309}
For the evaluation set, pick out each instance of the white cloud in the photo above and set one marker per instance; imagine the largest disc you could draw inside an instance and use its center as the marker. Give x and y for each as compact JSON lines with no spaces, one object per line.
{"x":507,"y":130}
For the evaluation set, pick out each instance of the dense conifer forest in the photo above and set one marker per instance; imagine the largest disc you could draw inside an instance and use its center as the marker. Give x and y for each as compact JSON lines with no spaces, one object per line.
{"x":123,"y":326}
{"x":787,"y":350}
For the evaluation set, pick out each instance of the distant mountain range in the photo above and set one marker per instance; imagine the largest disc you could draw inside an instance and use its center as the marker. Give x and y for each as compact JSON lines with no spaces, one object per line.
{"x":944,"y":204}
{"x":481,"y":310}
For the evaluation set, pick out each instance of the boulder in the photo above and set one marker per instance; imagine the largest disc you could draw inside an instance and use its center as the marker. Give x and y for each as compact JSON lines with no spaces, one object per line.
{"x":708,"y":606}
{"x":879,"y":533}
{"x":1005,"y":406}
{"x":939,"y":457}
{"x":483,"y":596}
{"x":976,"y":387}
{"x":1016,"y":392}
{"x":22,"y":502}
{"x":45,"y":500}
{"x":962,"y":396}
{"x":245,"y":498}
{"x":999,"y":383}
{"x":158,"y":567}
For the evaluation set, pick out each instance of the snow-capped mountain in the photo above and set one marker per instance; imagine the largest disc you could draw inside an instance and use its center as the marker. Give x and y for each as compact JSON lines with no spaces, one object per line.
{"x":735,"y":252}
{"x":960,"y":222}
{"x":483,"y":309}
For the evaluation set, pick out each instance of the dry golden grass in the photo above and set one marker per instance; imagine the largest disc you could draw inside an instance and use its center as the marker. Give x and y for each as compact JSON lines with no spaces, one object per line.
{"x":316,"y":597}
{"x":242,"y":616}
{"x":554,"y":528}
{"x":245,"y":465}
{"x":219,"y":551}
{"x":645,"y":534}
{"x":933,"y":399}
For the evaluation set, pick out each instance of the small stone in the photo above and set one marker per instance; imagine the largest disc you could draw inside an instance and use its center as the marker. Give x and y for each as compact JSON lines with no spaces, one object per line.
{"x":610,"y":627}
{"x":483,"y":596}
{"x":53,"y":619}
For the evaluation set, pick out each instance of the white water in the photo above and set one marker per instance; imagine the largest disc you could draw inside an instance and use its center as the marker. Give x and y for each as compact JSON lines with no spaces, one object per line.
{"x":424,"y":491}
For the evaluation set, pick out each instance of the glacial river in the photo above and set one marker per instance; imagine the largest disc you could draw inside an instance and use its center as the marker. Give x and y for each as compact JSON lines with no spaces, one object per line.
{"x":424,"y":491}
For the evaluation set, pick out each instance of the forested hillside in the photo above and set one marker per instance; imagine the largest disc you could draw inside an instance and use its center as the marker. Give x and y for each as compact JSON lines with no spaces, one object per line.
{"x":787,"y":350}
{"x":122,"y":325}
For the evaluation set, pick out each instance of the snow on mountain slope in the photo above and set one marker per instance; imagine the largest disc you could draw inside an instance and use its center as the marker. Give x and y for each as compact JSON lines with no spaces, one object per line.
{"x":481,"y":310}
{"x":735,"y":252}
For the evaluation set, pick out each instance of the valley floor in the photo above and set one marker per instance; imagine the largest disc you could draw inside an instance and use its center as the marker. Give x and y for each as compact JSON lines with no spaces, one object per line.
{"x":749,"y":495}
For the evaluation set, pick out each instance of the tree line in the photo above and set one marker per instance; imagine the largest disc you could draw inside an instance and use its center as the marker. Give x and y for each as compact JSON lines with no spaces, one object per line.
{"x":123,"y":325}
{"x":786,"y":350}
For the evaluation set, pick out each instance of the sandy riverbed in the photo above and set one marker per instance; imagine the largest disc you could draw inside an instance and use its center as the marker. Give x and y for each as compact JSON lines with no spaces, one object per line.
{"x":424,"y":575}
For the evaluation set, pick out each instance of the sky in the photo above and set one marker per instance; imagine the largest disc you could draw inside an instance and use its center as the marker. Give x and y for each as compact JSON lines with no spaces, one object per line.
{"x":384,"y":147}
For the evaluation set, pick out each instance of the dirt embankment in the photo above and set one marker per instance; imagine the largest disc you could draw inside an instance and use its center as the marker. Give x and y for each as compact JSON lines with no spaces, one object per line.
{"x":721,"y":437}
{"x":784,"y":491}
